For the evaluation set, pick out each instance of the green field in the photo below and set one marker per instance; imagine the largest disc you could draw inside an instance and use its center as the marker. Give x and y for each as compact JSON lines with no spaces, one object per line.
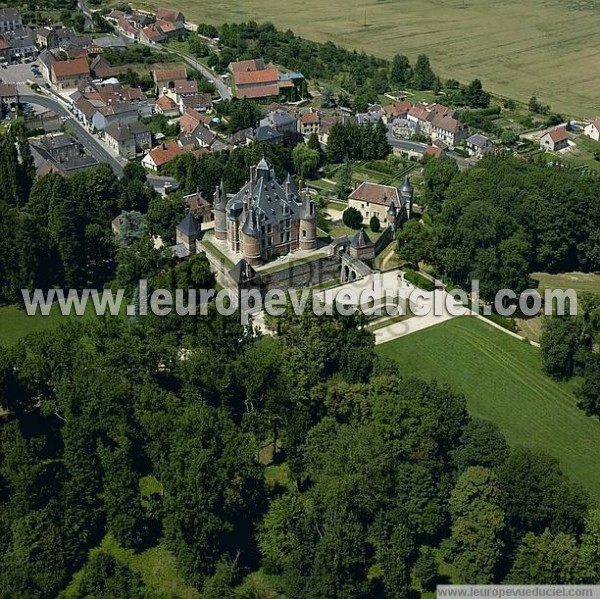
{"x":15,"y":324}
{"x":502,"y":380}
{"x":517,"y":48}
{"x":579,"y":281}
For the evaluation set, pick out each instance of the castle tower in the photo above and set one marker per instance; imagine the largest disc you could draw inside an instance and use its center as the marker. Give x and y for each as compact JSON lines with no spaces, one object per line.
{"x":392,"y":216}
{"x":308,"y":224}
{"x":407,"y":193}
{"x":220,"y":210}
{"x":250,"y":237}
{"x":188,"y":232}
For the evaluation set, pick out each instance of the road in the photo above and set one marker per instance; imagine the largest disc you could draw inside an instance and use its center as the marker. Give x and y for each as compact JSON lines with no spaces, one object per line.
{"x":89,"y":23}
{"x":89,"y":142}
{"x":222,"y":89}
{"x":406,"y":144}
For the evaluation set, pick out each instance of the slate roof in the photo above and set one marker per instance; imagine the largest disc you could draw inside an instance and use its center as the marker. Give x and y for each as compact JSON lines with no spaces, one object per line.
{"x":267,"y":133}
{"x":242,"y":272}
{"x":361,"y":240}
{"x":189,"y":225}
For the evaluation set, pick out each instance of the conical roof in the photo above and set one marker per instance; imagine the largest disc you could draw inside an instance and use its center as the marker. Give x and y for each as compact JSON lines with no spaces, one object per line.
{"x":406,"y":185}
{"x":361,"y":240}
{"x":250,"y":227}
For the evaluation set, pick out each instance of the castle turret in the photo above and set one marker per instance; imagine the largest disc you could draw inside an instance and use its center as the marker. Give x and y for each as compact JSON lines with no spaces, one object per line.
{"x":188,"y":232}
{"x":392,"y":215}
{"x":308,"y":224}
{"x":406,"y":193}
{"x":251,"y":238}
{"x":220,"y":210}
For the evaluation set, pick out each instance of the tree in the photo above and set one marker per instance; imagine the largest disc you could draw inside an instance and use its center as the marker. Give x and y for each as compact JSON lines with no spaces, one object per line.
{"x":589,"y":392}
{"x":481,"y":444}
{"x":415,"y":242}
{"x":344,"y":180}
{"x":104,"y":576}
{"x":426,"y":568}
{"x":422,"y":75}
{"x":328,"y":98}
{"x":475,"y":96}
{"x":374,"y":224}
{"x":558,"y":345}
{"x":164,"y":214}
{"x":400,"y":72}
{"x":306,"y":161}
{"x":546,"y":559}
{"x":590,"y":548}
{"x":475,"y":546}
{"x":437,"y":176}
{"x":352,"y":218}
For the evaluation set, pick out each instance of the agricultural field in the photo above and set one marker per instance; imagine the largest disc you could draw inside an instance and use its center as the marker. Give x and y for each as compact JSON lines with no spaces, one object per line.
{"x":502,"y":379}
{"x":15,"y":324}
{"x":579,"y":281}
{"x":517,"y":48}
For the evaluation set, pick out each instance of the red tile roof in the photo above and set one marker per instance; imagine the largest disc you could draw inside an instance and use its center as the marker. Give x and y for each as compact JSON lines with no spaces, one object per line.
{"x":259,"y":91}
{"x":397,"y":108}
{"x":255,"y":64}
{"x":446,"y":123}
{"x":166,"y":103}
{"x":191,"y":119}
{"x":310,"y":118}
{"x":174,"y":74}
{"x":557,"y":135}
{"x":253,"y":77}
{"x":165,"y":153}
{"x":434,"y":151}
{"x":71,"y":68}
{"x":375,"y":193}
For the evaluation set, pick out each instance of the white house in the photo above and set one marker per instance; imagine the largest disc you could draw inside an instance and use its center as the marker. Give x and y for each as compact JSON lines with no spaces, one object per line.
{"x":593,"y":129}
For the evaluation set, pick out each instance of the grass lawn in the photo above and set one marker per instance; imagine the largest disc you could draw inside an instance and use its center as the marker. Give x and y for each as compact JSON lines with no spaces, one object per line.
{"x":15,"y":323}
{"x":516,"y":48}
{"x":579,"y":281}
{"x":340,"y":229}
{"x":502,"y":380}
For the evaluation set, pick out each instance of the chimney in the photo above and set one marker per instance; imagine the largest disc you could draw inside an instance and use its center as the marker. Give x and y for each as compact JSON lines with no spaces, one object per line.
{"x":252,"y":176}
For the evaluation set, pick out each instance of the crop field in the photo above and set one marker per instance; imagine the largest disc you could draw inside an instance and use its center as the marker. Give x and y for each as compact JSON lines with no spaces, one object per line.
{"x":579,"y":281}
{"x":501,"y":378}
{"x":516,"y":47}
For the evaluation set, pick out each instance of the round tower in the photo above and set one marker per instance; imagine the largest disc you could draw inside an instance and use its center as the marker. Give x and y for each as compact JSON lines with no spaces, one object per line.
{"x":220,"y":210}
{"x":392,"y":216}
{"x":308,"y":225}
{"x":406,"y":193}
{"x":251,"y":239}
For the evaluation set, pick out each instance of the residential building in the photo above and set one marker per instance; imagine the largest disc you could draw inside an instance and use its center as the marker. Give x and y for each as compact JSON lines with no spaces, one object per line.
{"x":281,"y":121}
{"x":22,"y":44}
{"x":197,"y":102}
{"x":555,"y":140}
{"x":59,"y":153}
{"x":166,"y":106}
{"x":9,"y":93}
{"x":165,"y":79}
{"x":396,"y":110}
{"x":309,"y":123}
{"x":254,"y":80}
{"x":69,"y":74}
{"x":448,"y":129}
{"x":170,"y":16}
{"x":128,"y":140}
{"x":161,"y":155}
{"x":199,"y":206}
{"x":10,"y":20}
{"x":383,"y":201}
{"x":254,"y":64}
{"x":4,"y":50}
{"x":265,"y":218}
{"x":593,"y":129}
{"x":421,"y":117}
{"x":243,"y":137}
{"x":54,"y":36}
{"x":191,"y":120}
{"x":479,"y":145}
{"x":267,"y":134}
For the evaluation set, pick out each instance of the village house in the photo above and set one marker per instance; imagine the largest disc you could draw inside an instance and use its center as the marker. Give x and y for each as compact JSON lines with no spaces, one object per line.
{"x":280,"y":120}
{"x":9,"y":94}
{"x":266,"y":133}
{"x":10,"y":20}
{"x":327,"y":123}
{"x":69,"y":74}
{"x":22,"y":44}
{"x":386,"y":202}
{"x":166,"y":106}
{"x":421,"y":118}
{"x":592,"y":129}
{"x":479,"y":145}
{"x":191,"y":120}
{"x":156,"y":158}
{"x":555,"y":140}
{"x":253,"y":80}
{"x":244,"y":137}
{"x":396,"y":110}
{"x":4,"y":50}
{"x":197,"y":102}
{"x":199,"y":206}
{"x":59,"y":153}
{"x":448,"y":129}
{"x":265,"y":218}
{"x":309,"y":123}
{"x":166,"y":79}
{"x":128,"y":140}
{"x":54,"y":36}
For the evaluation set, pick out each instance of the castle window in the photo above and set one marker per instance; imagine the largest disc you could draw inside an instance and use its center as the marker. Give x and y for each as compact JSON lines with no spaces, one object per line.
{"x":303,"y":232}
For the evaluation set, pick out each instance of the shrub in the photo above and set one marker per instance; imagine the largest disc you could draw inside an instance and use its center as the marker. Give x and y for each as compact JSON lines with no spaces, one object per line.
{"x":352,"y":218}
{"x":375,"y":224}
